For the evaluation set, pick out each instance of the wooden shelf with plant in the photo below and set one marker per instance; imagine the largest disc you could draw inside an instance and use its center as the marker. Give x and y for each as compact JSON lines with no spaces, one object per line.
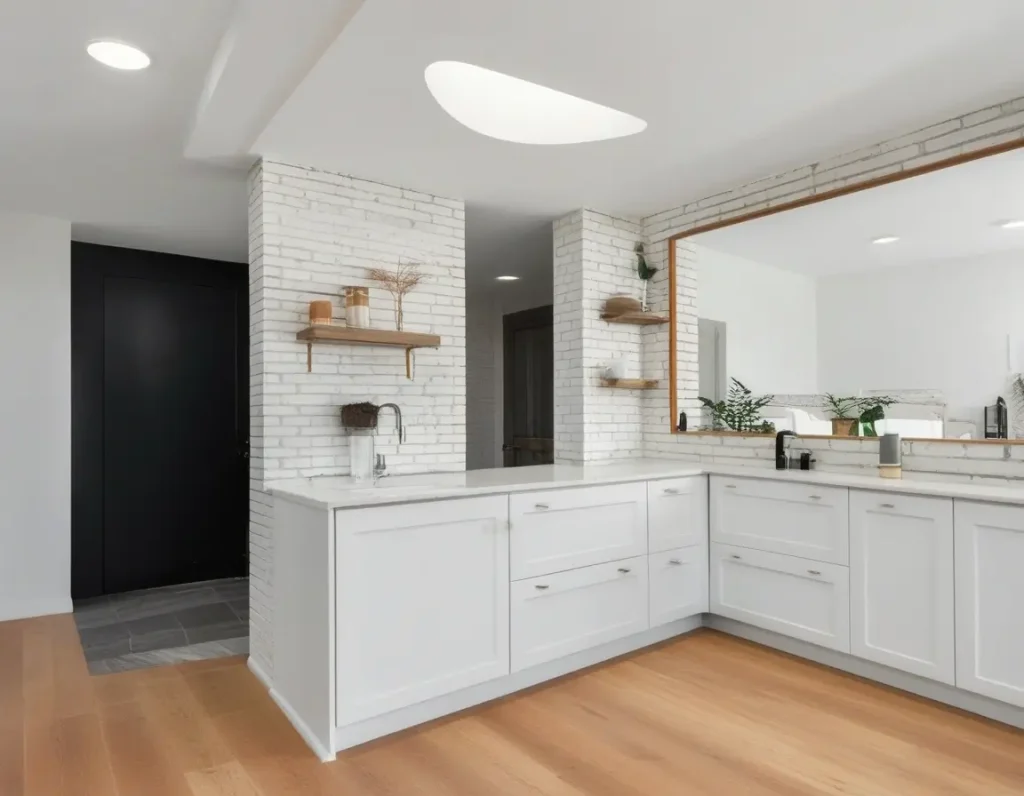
{"x":855,"y":416}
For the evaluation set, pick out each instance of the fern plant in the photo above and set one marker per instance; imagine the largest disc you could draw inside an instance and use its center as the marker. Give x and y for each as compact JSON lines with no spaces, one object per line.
{"x":740,"y":411}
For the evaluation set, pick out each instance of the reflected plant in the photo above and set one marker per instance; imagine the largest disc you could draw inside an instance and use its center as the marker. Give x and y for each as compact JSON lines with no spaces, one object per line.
{"x":740,"y":411}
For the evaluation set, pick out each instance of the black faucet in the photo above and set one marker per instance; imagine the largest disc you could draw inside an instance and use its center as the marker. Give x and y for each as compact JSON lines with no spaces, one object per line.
{"x":780,"y":449}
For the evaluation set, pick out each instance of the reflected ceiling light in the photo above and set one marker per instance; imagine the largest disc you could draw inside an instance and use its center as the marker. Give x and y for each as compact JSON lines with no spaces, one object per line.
{"x":118,"y":55}
{"x":1012,"y":224}
{"x":885,"y":239}
{"x":507,"y":278}
{"x":510,"y":109}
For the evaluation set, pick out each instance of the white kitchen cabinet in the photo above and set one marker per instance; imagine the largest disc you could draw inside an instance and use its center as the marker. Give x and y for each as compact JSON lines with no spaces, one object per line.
{"x":422,"y":602}
{"x":901,"y":582}
{"x":678,"y":583}
{"x":806,"y":600}
{"x":778,"y":516}
{"x":990,"y":599}
{"x":557,"y":615}
{"x":677,"y":513}
{"x":563,"y":529}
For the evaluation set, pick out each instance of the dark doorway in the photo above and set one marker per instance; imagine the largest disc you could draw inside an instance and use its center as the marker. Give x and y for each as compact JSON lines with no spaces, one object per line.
{"x":529,"y":388}
{"x":160,"y":417}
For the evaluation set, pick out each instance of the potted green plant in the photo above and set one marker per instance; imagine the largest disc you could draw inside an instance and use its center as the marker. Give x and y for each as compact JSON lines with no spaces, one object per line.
{"x":645,"y":272}
{"x":740,"y":411}
{"x":852,"y":413}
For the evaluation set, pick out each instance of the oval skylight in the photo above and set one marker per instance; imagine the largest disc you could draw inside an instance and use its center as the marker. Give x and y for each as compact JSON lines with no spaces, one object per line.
{"x":510,"y":109}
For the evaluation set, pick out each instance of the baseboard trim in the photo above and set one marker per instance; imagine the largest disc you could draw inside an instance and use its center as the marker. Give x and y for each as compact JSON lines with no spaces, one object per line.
{"x":33,"y":607}
{"x":260,"y":673}
{"x":869,"y":670}
{"x":360,"y":732}
{"x":326,"y":755}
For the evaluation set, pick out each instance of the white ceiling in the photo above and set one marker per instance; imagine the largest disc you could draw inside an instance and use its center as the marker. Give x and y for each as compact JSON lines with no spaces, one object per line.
{"x":949,"y":214}
{"x":732,"y":91}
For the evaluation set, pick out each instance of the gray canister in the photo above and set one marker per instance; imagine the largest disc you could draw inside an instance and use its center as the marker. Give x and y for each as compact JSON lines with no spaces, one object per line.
{"x":890,"y":451}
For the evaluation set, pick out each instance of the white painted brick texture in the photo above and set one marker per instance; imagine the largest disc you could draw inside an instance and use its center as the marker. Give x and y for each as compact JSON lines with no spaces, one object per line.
{"x":312,"y":233}
{"x":992,"y":126}
{"x":594,"y":258}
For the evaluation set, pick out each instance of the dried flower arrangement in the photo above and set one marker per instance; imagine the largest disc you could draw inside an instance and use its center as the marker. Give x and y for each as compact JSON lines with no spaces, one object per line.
{"x":398,"y":283}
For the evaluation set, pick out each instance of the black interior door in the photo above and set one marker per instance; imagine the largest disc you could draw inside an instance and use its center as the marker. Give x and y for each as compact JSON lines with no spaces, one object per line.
{"x":529,"y":388}
{"x":159,"y":419}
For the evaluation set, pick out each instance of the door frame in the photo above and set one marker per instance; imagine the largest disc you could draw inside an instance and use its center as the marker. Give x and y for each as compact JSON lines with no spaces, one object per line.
{"x":535,"y":318}
{"x":91,"y":264}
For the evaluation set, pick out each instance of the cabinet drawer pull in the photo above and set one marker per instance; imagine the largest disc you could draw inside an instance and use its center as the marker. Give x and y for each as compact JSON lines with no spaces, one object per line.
{"x":671,"y":492}
{"x":730,"y":486}
{"x":542,"y":506}
{"x":541,"y":586}
{"x":813,"y":572}
{"x":675,"y":562}
{"x":815,"y":497}
{"x":738,"y":558}
{"x":886,"y":505}
{"x":624,"y":570}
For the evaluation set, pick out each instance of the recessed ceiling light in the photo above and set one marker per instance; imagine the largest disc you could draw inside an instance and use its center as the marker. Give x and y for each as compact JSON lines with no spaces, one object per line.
{"x":507,"y":278}
{"x":886,"y":239}
{"x":1012,"y":224}
{"x":118,"y":55}
{"x":510,"y":109}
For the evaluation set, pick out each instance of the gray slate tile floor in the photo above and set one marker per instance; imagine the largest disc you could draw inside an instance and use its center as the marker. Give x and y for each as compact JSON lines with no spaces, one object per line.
{"x":155,"y":627}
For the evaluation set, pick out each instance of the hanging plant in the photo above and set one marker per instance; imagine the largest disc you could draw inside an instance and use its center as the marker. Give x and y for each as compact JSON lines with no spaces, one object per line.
{"x":645,"y":272}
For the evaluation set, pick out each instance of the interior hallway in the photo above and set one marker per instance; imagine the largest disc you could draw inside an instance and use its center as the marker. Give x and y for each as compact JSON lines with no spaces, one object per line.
{"x":706,"y":714}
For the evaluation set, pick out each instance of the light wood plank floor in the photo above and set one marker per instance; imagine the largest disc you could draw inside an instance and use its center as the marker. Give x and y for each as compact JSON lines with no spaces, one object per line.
{"x":706,"y":714}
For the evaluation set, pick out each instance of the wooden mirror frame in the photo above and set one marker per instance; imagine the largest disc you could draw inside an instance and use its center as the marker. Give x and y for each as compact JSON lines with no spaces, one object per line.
{"x":835,"y":193}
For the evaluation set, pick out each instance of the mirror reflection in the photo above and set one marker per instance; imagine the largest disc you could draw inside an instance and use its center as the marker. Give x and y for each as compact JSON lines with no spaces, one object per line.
{"x":895,"y":309}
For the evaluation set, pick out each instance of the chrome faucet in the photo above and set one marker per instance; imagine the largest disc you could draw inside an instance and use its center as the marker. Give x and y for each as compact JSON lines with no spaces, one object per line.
{"x":398,"y":420}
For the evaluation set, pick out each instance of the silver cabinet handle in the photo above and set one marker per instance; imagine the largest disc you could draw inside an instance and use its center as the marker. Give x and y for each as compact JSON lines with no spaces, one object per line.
{"x":541,"y":586}
{"x":675,"y":562}
{"x":624,"y":570}
{"x":542,"y":506}
{"x":813,"y":572}
{"x":736,"y":557}
{"x":671,"y":492}
{"x":886,"y":505}
{"x":815,"y":497}
{"x":730,"y":486}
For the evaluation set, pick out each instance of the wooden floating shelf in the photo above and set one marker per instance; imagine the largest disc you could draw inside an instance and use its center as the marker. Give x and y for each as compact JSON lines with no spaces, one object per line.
{"x":636,"y":318}
{"x":630,"y":384}
{"x":350,"y":335}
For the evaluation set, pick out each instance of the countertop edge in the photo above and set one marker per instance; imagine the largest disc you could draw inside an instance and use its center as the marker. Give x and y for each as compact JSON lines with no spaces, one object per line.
{"x":950,"y":489}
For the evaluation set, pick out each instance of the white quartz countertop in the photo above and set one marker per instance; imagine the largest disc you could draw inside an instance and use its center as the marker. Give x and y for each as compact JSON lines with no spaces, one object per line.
{"x":332,"y":492}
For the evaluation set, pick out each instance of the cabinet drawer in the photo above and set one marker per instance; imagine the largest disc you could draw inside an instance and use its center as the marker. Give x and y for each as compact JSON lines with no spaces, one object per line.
{"x":802,"y":520}
{"x":798,"y":598}
{"x":557,"y":615}
{"x":565,"y":529}
{"x":677,"y":513}
{"x":679,"y":583}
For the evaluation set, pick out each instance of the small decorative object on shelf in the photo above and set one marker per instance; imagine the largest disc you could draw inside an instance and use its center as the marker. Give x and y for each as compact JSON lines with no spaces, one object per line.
{"x":626,"y":309}
{"x":320,"y":312}
{"x":996,"y":420}
{"x":645,"y":272}
{"x":357,"y":307}
{"x":615,"y":370}
{"x":398,"y":283}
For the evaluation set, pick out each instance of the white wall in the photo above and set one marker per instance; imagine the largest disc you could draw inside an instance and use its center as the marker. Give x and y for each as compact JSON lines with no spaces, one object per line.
{"x":35,"y":416}
{"x":770,"y":317}
{"x":942,"y":326}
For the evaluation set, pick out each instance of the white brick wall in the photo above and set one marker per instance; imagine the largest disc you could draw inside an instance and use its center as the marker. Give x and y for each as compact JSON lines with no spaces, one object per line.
{"x":993,"y":126}
{"x":313,"y":232}
{"x":594,"y":258}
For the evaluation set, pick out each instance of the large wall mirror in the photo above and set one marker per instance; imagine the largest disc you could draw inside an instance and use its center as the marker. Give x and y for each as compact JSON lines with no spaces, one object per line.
{"x":899,"y":308}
